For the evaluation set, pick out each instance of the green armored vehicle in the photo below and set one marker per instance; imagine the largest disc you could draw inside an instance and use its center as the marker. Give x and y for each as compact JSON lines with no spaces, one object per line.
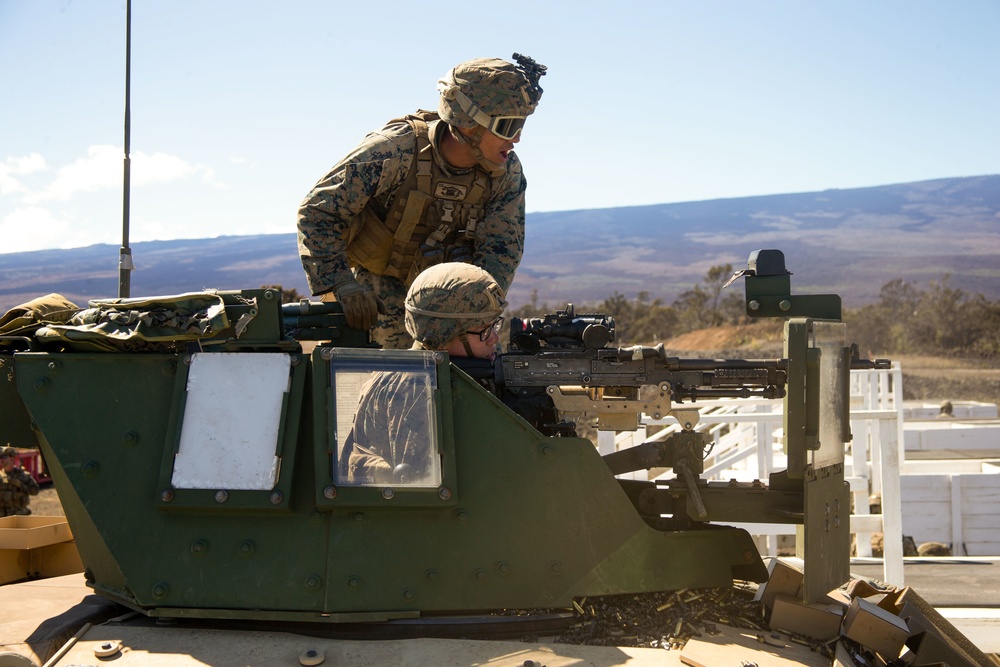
{"x":195,"y":441}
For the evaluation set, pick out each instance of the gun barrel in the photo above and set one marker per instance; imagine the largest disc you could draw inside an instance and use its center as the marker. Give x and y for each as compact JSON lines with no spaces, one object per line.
{"x":675,"y":363}
{"x":870,"y":364}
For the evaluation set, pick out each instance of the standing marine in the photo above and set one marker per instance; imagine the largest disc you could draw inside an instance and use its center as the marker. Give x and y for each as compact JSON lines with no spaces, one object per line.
{"x":427,"y":188}
{"x":16,"y":484}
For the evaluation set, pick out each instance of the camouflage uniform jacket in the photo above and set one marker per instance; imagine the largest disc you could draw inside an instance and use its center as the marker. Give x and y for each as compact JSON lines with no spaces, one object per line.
{"x":370,"y":178}
{"x":391,"y":427}
{"x":15,"y":487}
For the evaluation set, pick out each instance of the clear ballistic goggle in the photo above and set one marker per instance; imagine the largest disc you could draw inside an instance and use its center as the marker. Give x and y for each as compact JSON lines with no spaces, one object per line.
{"x":506,"y":127}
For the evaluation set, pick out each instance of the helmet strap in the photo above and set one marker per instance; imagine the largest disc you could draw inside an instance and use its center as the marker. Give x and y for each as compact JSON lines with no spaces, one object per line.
{"x":465,"y":343}
{"x":492,"y":168}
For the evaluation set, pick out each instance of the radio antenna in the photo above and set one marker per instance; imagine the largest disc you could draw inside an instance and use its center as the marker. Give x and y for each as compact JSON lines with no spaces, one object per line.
{"x":125,"y":265}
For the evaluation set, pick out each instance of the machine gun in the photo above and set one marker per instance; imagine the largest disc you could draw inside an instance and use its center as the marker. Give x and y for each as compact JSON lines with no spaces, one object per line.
{"x":561,"y":363}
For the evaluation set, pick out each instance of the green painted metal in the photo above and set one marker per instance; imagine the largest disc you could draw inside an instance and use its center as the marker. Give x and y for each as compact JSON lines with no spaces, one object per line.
{"x":519,"y":520}
{"x":531,"y":521}
{"x":769,"y":292}
{"x":816,"y":427}
{"x":15,"y":424}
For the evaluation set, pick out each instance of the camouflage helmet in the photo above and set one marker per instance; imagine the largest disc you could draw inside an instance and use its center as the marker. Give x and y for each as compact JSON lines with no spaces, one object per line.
{"x":477,"y":90}
{"x":449,"y":299}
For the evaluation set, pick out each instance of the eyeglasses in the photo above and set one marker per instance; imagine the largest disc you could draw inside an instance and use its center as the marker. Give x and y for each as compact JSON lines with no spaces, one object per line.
{"x":507,"y":127}
{"x":484,"y":335}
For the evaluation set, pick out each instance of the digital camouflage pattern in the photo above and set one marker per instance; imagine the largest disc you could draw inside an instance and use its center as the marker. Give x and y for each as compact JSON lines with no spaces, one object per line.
{"x":138,"y":324}
{"x":16,"y":486}
{"x":391,"y":428}
{"x":449,"y":299}
{"x":367,"y":222}
{"x":476,"y":90}
{"x":370,"y":177}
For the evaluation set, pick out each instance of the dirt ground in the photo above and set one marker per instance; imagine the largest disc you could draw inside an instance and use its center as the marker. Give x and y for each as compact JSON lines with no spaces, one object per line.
{"x":46,"y":503}
{"x":940,"y":378}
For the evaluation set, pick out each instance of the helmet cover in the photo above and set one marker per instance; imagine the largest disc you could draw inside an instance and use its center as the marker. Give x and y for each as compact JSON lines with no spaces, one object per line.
{"x":449,"y":299}
{"x":479,"y":89}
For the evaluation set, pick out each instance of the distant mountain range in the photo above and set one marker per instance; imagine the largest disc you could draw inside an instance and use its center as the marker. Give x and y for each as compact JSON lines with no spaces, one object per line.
{"x":850,"y":242}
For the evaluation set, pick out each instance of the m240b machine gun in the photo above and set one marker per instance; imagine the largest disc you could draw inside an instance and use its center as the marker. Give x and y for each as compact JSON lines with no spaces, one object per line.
{"x":564,"y":357}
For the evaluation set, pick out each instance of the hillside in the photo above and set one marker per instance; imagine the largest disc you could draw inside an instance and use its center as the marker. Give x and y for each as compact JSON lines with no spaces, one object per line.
{"x":846,"y":241}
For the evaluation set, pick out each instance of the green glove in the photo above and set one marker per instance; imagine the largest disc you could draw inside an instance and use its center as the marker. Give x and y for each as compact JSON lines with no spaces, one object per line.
{"x":360,"y":304}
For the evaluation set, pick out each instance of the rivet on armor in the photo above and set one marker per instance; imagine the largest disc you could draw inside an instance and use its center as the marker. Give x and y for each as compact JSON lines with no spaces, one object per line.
{"x":354,"y":582}
{"x":130,"y":438}
{"x":199,"y":547}
{"x":388,"y":493}
{"x":313,"y":581}
{"x":754,"y":304}
{"x":330,"y":492}
{"x":480,"y":574}
{"x":503,"y":568}
{"x":326,"y":354}
{"x":167,"y":495}
{"x":160,"y":591}
{"x":90,"y":468}
{"x":247,"y":547}
{"x":221,"y":496}
{"x":784,"y":305}
{"x":407,"y":594}
{"x":431,"y":574}
{"x":444,"y":493}
{"x":556,"y":567}
{"x":275,"y":497}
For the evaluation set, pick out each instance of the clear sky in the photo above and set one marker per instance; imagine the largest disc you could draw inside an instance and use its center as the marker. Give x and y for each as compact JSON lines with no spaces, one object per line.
{"x":238,"y":107}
